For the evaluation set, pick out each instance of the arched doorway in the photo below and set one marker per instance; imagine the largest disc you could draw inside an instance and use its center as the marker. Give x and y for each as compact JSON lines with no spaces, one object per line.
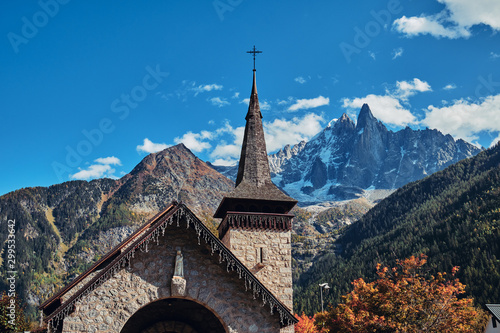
{"x":174,"y":315}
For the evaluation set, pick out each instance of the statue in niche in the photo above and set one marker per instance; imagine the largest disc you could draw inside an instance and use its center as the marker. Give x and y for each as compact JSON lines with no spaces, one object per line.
{"x":179,"y":265}
{"x":178,"y":285}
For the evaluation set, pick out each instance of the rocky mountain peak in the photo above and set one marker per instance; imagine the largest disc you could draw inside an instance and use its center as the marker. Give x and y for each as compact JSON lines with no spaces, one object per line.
{"x":174,"y":173}
{"x":277,"y":159}
{"x":343,"y":161}
{"x":344,"y":122}
{"x":155,"y":163}
{"x":365,"y":117}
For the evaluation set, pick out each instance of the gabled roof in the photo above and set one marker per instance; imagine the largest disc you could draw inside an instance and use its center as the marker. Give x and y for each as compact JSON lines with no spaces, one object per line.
{"x":494,"y":310}
{"x":57,"y":307}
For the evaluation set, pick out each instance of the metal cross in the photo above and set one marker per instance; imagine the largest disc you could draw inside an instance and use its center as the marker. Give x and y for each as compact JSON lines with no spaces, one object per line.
{"x":254,"y":51}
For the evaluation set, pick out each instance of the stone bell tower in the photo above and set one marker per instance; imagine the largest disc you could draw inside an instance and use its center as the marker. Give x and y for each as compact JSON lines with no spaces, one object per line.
{"x":256,"y":225}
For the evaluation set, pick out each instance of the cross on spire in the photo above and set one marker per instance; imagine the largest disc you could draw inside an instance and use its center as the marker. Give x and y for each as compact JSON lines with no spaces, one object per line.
{"x":254,"y":51}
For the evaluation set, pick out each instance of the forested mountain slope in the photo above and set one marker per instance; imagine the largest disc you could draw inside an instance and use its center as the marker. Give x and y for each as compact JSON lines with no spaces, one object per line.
{"x":453,"y":216}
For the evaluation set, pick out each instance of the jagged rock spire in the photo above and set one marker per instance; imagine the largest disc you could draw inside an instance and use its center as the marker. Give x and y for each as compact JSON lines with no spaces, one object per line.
{"x":253,"y":182}
{"x":365,"y":117}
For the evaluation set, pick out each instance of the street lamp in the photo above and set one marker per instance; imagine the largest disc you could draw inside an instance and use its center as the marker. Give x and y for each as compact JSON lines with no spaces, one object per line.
{"x":321,"y":287}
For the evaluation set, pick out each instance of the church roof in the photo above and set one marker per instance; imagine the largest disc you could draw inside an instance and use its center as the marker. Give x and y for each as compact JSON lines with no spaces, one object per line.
{"x":60,"y":305}
{"x":494,"y":310}
{"x":254,"y":177}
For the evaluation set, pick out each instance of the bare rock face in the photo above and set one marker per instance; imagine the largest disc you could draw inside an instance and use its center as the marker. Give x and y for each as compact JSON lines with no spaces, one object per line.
{"x":278,"y":159}
{"x":345,"y":159}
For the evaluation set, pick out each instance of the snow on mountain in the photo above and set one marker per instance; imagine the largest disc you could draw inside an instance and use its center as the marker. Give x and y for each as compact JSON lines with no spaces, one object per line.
{"x":348,"y":160}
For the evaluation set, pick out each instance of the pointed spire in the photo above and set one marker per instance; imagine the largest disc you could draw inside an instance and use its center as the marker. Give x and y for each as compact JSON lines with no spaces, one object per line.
{"x":253,"y":105}
{"x":365,"y":116}
{"x":253,"y":182}
{"x":254,"y":166}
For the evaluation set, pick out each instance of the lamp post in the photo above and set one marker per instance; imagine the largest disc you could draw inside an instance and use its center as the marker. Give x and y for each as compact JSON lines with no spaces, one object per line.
{"x":321,"y":287}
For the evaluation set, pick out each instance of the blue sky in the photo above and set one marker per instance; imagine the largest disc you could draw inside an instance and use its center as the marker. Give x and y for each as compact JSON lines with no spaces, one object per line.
{"x":89,"y":88}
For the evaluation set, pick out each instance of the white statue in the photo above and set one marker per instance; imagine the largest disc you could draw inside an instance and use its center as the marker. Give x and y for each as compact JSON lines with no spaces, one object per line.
{"x":179,"y":265}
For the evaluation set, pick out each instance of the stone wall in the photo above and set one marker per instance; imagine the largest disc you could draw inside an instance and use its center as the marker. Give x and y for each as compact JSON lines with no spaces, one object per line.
{"x":268,"y":255}
{"x":107,"y":308}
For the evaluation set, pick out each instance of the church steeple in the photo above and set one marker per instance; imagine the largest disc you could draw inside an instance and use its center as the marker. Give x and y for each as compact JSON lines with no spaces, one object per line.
{"x":254,"y":192}
{"x":256,"y":224}
{"x":253,"y":166}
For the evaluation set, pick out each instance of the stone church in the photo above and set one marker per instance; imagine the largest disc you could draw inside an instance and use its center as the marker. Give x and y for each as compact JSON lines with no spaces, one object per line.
{"x":174,"y":276}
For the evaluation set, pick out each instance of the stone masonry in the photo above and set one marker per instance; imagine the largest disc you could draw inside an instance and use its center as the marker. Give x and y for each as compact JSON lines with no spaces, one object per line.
{"x":208,"y":282}
{"x":267,"y":254}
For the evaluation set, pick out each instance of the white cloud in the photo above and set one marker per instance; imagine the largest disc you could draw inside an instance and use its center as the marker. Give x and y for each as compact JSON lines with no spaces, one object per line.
{"x":189,"y":87}
{"x":150,"y":147}
{"x":281,"y":132}
{"x":429,"y":25}
{"x":228,"y":151}
{"x":495,"y":140}
{"x":372,"y":55}
{"x":309,"y":103}
{"x":464,"y":119}
{"x":468,"y":13}
{"x":245,"y":101}
{"x":389,"y":107}
{"x":385,"y":108}
{"x":494,"y":55}
{"x":219,"y":102}
{"x":405,"y":89}
{"x":450,"y":86}
{"x":264,"y":105}
{"x":236,"y":95}
{"x":109,"y":160}
{"x":94,"y":171}
{"x":396,"y":53}
{"x":225,"y":162}
{"x":195,"y":141}
{"x":226,"y":129}
{"x":287,"y":101}
{"x":206,"y":87}
{"x":278,"y":133}
{"x":101,"y":169}
{"x":455,"y":21}
{"x":300,"y":80}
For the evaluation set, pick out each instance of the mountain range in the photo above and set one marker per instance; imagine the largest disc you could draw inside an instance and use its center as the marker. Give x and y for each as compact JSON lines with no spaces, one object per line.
{"x":63,"y":228}
{"x":347,"y":159}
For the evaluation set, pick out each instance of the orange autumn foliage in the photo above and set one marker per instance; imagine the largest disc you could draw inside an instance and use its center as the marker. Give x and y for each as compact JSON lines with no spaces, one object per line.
{"x":402,"y":300}
{"x":305,"y":324}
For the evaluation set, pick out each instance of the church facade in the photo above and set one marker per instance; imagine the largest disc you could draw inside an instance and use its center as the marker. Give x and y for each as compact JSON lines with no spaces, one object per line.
{"x":174,"y":276}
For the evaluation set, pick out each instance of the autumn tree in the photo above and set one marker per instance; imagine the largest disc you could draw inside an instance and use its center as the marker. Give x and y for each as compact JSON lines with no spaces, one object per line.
{"x":305,"y":324}
{"x":404,"y":300}
{"x":12,"y":317}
